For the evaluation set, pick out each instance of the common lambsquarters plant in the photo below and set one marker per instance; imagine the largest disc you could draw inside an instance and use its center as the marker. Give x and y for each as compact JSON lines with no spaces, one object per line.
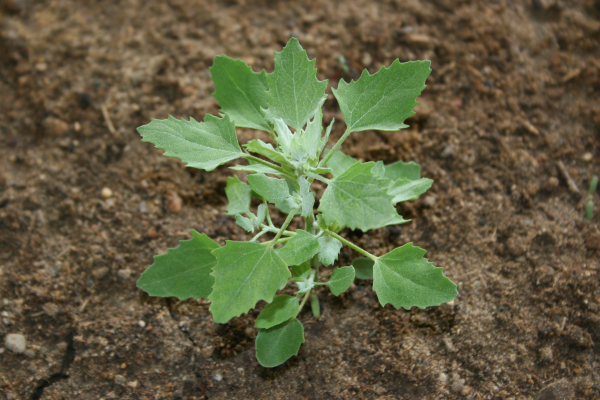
{"x":359,"y":195}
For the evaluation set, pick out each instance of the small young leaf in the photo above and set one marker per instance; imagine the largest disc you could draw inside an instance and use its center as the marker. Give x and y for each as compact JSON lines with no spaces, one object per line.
{"x":404,"y":278}
{"x":358,"y":198}
{"x":363,"y":268}
{"x":245,"y":223}
{"x":299,"y":248}
{"x":307,"y":198}
{"x":301,"y":270}
{"x":341,"y":279}
{"x":280,"y":310}
{"x":309,"y":139}
{"x":404,"y":189}
{"x":238,"y":194}
{"x":275,"y":345}
{"x":204,"y":145}
{"x":402,"y":170}
{"x":246,"y":272}
{"x":240,"y":92}
{"x":183,"y":272}
{"x":261,"y":213}
{"x":340,"y":162}
{"x":295,"y":94}
{"x":284,"y":135}
{"x":267,"y":150}
{"x":329,"y":248}
{"x":273,"y":190}
{"x":382,"y":101}
{"x":315,"y":306}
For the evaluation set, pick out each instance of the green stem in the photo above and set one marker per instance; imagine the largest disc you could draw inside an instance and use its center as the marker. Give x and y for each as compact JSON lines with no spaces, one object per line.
{"x":335,"y":147}
{"x":317,"y":177}
{"x":287,"y":221}
{"x":259,"y":234}
{"x":272,"y":229}
{"x":264,"y":162}
{"x":306,"y":296}
{"x":353,"y":246}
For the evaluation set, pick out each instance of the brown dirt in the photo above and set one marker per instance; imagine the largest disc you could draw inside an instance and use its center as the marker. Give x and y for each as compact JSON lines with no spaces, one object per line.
{"x":514,"y":92}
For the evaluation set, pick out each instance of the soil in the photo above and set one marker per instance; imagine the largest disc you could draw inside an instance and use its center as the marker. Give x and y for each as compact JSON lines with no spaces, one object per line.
{"x":508,"y":127}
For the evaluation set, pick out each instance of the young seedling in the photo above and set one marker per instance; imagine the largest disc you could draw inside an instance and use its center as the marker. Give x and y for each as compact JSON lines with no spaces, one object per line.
{"x":359,"y":195}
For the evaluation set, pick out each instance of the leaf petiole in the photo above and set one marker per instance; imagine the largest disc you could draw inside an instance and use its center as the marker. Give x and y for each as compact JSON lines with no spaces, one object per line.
{"x":287,"y":221}
{"x":334,"y":148}
{"x":352,"y":245}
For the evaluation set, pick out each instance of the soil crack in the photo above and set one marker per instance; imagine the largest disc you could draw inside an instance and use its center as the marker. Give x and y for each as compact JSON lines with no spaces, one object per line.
{"x":68,"y":359}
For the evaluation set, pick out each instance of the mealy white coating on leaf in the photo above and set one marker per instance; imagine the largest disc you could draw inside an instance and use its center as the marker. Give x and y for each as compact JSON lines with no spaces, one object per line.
{"x":204,"y":145}
{"x":329,"y":248}
{"x":358,"y":198}
{"x":295,"y":94}
{"x":382,"y":101}
{"x":240,"y":92}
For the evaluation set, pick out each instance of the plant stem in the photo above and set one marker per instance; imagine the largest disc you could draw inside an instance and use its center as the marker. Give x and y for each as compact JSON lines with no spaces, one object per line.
{"x":264,"y":162}
{"x":272,"y":229}
{"x":285,"y":225}
{"x":353,"y":246}
{"x":335,"y":147}
{"x":306,"y":296}
{"x":259,"y":234}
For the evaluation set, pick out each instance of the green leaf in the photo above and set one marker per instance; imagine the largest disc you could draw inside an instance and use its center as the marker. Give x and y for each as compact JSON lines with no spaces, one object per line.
{"x":363,"y":268}
{"x":358,"y":198}
{"x":182,"y":272}
{"x":204,"y":145}
{"x":295,"y":93}
{"x":341,"y":279}
{"x":308,"y":141}
{"x":267,"y":150}
{"x":307,"y":198}
{"x":382,"y":101}
{"x":246,"y":272}
{"x":273,"y":190}
{"x":301,"y":247}
{"x":240,"y":92}
{"x":402,"y":170}
{"x":284,"y":135}
{"x":404,"y":278}
{"x":340,"y":162}
{"x":245,"y":223}
{"x":329,"y":248}
{"x":301,"y":270}
{"x":280,"y":310}
{"x":239,"y":196}
{"x":275,"y":345}
{"x":404,"y":189}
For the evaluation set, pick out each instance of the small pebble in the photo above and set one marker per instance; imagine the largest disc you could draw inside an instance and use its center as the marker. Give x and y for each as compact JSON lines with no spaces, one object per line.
{"x":561,"y":390}
{"x":429,"y":201}
{"x":132,"y":384}
{"x":174,"y":202}
{"x":106,"y":192}
{"x":124,"y":273}
{"x":142,"y":324}
{"x":15,"y":342}
{"x":546,"y":354}
{"x":448,"y":151}
{"x":30,"y":353}
{"x":100,"y":272}
{"x":54,"y":126}
{"x":457,"y":384}
{"x":218,"y":377}
{"x":208,"y":351}
{"x":449,"y":346}
{"x":551,"y":184}
{"x":367,"y":60}
{"x":443,"y":378}
{"x":587,"y":157}
{"x":120,"y":380}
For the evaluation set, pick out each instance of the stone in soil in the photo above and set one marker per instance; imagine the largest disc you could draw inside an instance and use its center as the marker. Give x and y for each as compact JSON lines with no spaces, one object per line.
{"x":561,"y":390}
{"x":15,"y":342}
